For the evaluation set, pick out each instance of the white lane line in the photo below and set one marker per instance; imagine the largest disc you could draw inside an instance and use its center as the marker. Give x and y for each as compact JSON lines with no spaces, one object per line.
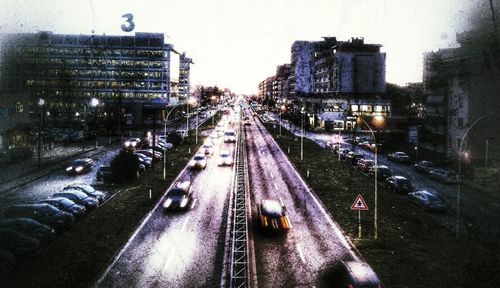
{"x":185,"y":223}
{"x":301,"y":255}
{"x":275,"y":186}
{"x":272,"y":176}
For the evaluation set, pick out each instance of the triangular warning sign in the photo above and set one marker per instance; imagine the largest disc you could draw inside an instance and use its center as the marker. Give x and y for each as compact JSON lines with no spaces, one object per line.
{"x":359,"y":204}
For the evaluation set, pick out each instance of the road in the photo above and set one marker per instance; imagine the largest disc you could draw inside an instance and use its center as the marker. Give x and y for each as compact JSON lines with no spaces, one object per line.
{"x":180,"y":249}
{"x":295,"y":259}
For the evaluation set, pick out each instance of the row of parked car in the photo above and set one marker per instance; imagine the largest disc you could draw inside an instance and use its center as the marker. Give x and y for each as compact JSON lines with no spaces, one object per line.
{"x":26,"y":227}
{"x":63,"y":134}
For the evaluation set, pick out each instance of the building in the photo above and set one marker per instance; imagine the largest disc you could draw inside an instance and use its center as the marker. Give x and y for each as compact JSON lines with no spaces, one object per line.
{"x":123,"y":72}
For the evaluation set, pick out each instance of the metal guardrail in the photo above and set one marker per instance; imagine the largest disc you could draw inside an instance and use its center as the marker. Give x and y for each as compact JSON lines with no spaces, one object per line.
{"x":239,"y":273}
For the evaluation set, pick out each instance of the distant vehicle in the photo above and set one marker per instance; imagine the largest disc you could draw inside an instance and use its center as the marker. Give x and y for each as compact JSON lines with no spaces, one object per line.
{"x":132,"y":143}
{"x":428,"y":200}
{"x":182,"y":133}
{"x":272,"y":216}
{"x":43,"y":213}
{"x":213,"y":136}
{"x":150,"y":153}
{"x":146,"y":161}
{"x":104,"y":173}
{"x":179,"y":198}
{"x":87,"y":189}
{"x":400,"y":157}
{"x":229,"y":136}
{"x":398,"y":184}
{"x":143,"y":156}
{"x":445,"y":176}
{"x":61,"y":137}
{"x":199,"y":161}
{"x":207,"y":149}
{"x":66,"y":205}
{"x":354,"y":156}
{"x":383,"y":172}
{"x":80,"y":166}
{"x":79,"y":197}
{"x":219,"y":129}
{"x":343,"y":152}
{"x":225,"y":159}
{"x":17,"y":243}
{"x":424,"y":167}
{"x":77,"y":136}
{"x":30,"y":228}
{"x":365,"y":164}
{"x":354,"y":274}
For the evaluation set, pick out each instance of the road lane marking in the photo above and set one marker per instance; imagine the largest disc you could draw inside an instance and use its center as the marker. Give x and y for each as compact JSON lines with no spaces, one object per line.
{"x":185,"y":224}
{"x":301,"y":255}
{"x":272,"y":176}
{"x":275,"y":186}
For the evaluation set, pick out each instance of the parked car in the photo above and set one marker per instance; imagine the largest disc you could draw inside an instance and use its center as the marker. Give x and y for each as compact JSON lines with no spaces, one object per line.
{"x":383,"y":172}
{"x":272,"y":216}
{"x":150,"y":153}
{"x":365,"y":164}
{"x":400,"y":157}
{"x":104,"y":173}
{"x":77,"y":136}
{"x":424,"y":167}
{"x":353,"y":157}
{"x":144,"y":157}
{"x":43,"y":213}
{"x":445,"y":176}
{"x":199,"y":161}
{"x":343,"y":152}
{"x":79,"y":197}
{"x":80,"y":166}
{"x":398,"y":184}
{"x":143,"y":160}
{"x":18,"y":244}
{"x":225,"y":159}
{"x":30,"y":228}
{"x":353,"y":274}
{"x":87,"y":189}
{"x":428,"y":200}
{"x":179,"y":197}
{"x":61,"y":137}
{"x":66,"y":205}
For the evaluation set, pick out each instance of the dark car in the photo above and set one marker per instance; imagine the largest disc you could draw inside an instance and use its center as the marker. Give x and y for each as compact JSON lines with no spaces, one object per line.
{"x":80,"y":166}
{"x":424,"y":167}
{"x":87,"y":189}
{"x":104,"y":173}
{"x":17,"y":243}
{"x":144,"y":160}
{"x":43,"y":213}
{"x":428,"y":200}
{"x":398,"y":184}
{"x":179,"y":197}
{"x":353,"y":274}
{"x":30,"y":228}
{"x":400,"y":157}
{"x":66,"y":205}
{"x":353,"y":157}
{"x":79,"y":197}
{"x":365,"y":164}
{"x":272,"y":216}
{"x":383,"y":172}
{"x":445,"y":176}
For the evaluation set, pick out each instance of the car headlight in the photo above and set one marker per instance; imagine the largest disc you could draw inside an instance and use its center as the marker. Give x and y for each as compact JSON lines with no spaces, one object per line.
{"x":69,"y":168}
{"x":127,"y":143}
{"x":167,"y":203}
{"x":79,"y":168}
{"x":184,"y":202}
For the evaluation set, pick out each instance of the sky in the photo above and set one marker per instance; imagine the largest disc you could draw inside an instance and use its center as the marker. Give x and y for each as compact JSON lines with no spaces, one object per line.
{"x":238,"y":43}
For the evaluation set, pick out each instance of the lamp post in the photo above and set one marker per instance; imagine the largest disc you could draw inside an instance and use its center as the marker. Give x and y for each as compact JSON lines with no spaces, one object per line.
{"x":213,"y":116}
{"x":281,"y":112}
{"x":457,"y":229}
{"x":41,"y":103}
{"x":94,"y":102}
{"x":192,"y":101}
{"x":164,"y":148}
{"x":302,"y":134}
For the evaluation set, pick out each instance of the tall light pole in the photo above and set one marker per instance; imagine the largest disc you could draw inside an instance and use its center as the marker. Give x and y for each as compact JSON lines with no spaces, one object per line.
{"x":302,"y":134}
{"x":164,"y":148}
{"x":457,"y":229}
{"x":94,"y":102}
{"x":213,"y":116}
{"x":192,"y":101}
{"x":281,"y":112}
{"x":41,"y":103}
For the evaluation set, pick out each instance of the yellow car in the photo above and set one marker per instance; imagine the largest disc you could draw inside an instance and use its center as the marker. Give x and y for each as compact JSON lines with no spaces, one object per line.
{"x":272,"y":216}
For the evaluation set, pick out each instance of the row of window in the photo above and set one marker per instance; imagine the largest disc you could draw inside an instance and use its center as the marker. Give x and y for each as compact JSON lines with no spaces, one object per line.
{"x":83,"y":73}
{"x":95,"y":84}
{"x":361,"y":108}
{"x":90,"y":51}
{"x":86,"y":62}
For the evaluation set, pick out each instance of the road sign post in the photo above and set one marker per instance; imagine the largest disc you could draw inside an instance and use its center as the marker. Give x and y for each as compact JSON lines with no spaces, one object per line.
{"x":359,"y":204}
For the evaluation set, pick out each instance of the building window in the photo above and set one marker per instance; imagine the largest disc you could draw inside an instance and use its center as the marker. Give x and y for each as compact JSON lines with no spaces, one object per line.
{"x":366,"y":108}
{"x":354,"y":108}
{"x":19,"y":107}
{"x":377,"y":108}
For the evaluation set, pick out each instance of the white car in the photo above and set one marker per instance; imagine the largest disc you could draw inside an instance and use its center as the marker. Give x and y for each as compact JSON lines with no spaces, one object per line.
{"x":230,"y":136}
{"x":199,"y":161}
{"x":225,"y":159}
{"x":207,"y":149}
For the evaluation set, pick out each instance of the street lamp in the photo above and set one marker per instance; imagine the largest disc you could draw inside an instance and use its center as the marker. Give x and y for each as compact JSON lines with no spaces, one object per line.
{"x":460,"y":170}
{"x":164,"y":148}
{"x":213,"y":116}
{"x":302,"y":111}
{"x":94,"y":102}
{"x":192,"y":101}
{"x":41,"y":104}
{"x":281,"y":112}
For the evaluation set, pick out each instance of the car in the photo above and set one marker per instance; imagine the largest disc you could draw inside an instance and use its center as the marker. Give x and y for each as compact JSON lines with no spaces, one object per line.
{"x":132,"y":143}
{"x":79,"y":197}
{"x":214,"y":136}
{"x":80,"y":166}
{"x":383,"y":172}
{"x":77,"y":136}
{"x":445,"y":176}
{"x":87,"y":189}
{"x":219,"y":129}
{"x":398,"y":184}
{"x":400,"y":157}
{"x":343,"y":152}
{"x":225,"y":159}
{"x":272,"y":216}
{"x":207,"y":149}
{"x":17,"y":243}
{"x":354,"y":157}
{"x":30,"y":228}
{"x":229,"y":136}
{"x":247,"y":122}
{"x":43,"y":213}
{"x":66,"y":205}
{"x":105,"y":173}
{"x":365,"y":164}
{"x":61,"y":137}
{"x":143,"y":156}
{"x":151,"y":154}
{"x":146,"y":161}
{"x":199,"y":161}
{"x":428,"y":200}
{"x":179,"y":198}
{"x":353,"y":274}
{"x":424,"y":167}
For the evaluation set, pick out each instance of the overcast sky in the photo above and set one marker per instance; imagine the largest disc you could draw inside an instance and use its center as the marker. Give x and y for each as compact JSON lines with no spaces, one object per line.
{"x":238,"y":43}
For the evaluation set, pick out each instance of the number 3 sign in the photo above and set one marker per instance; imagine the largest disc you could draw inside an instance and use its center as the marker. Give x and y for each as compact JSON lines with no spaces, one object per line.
{"x":129,"y":25}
